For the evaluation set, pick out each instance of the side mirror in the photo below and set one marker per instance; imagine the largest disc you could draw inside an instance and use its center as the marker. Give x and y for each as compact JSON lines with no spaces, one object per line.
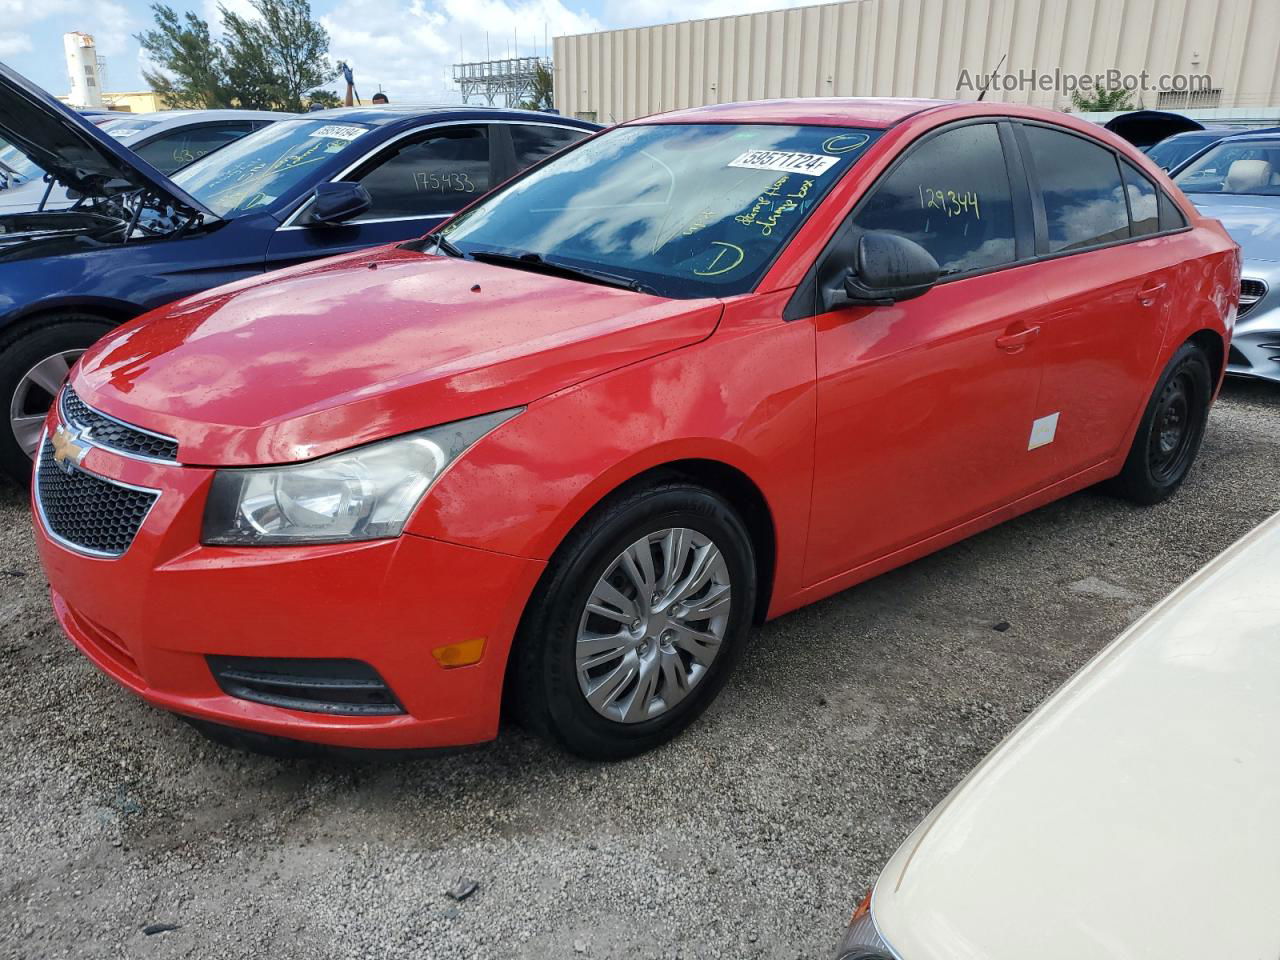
{"x":889,"y":268}
{"x":334,"y":203}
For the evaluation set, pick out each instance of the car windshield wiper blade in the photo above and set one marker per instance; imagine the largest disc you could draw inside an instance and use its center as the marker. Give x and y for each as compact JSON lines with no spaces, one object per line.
{"x":535,"y":261}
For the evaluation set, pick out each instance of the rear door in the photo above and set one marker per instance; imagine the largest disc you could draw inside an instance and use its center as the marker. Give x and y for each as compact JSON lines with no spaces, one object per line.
{"x":417,"y":180}
{"x":925,"y":406}
{"x":1108,"y":272}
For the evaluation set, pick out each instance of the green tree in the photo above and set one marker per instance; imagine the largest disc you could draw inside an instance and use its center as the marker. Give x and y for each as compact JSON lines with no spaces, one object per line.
{"x":542,"y":95}
{"x":192,"y":68}
{"x":275,"y":60}
{"x":278,"y":57}
{"x":1103,"y":101}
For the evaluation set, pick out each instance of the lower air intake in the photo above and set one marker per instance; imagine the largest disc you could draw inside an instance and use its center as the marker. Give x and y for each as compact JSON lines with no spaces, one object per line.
{"x":338,"y":687}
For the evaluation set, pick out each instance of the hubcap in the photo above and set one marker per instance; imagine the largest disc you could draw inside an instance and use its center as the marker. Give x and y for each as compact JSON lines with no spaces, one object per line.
{"x":653,"y":625}
{"x":36,"y":390}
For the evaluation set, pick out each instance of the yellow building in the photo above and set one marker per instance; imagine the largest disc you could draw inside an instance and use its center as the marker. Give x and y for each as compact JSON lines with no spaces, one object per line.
{"x":138,"y":101}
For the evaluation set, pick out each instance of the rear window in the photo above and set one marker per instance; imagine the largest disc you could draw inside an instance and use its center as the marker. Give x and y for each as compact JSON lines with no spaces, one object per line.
{"x":533,"y":144}
{"x":1084,"y":203}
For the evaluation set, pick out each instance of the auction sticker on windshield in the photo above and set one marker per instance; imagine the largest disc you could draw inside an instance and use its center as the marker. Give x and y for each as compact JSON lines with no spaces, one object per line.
{"x":785,"y":161}
{"x":337,"y":131}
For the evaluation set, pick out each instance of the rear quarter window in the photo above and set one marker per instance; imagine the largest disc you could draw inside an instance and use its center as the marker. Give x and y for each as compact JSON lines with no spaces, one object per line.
{"x":1084,"y":202}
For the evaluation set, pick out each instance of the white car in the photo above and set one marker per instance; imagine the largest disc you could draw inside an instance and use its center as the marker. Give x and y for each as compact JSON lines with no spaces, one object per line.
{"x":1134,"y":815}
{"x":168,"y":140}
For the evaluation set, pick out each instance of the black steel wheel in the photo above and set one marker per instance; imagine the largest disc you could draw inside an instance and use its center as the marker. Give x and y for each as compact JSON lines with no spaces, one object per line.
{"x":1172,"y":428}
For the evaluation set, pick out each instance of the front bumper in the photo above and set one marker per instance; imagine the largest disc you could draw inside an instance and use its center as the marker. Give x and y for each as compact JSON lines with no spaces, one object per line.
{"x":1255,"y":343}
{"x":150,"y":617}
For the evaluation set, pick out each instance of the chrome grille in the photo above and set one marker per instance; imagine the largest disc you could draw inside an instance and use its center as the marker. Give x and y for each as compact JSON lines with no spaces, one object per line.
{"x":87,"y":512}
{"x":105,"y":431}
{"x":1251,"y":291}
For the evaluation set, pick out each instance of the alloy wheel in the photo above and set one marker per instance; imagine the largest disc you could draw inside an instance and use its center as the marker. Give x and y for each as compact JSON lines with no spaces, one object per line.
{"x":653,"y":625}
{"x":35,"y":392}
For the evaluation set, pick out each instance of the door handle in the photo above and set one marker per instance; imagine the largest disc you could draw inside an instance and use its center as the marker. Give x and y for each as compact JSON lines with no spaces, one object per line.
{"x":1013,"y":342}
{"x":1147,"y":295}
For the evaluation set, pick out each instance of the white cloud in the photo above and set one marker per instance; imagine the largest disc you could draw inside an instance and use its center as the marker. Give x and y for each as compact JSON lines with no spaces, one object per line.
{"x":109,"y":22}
{"x":410,"y":50}
{"x":212,"y":16}
{"x":14,"y":44}
{"x":643,"y":13}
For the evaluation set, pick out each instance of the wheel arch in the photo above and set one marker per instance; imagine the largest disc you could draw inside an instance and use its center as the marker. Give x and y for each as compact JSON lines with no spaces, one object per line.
{"x":109,"y":309}
{"x":718,"y":476}
{"x":1211,"y":342}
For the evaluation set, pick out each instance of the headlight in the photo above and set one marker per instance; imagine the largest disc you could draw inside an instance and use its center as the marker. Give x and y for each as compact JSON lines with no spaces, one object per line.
{"x":363,"y":494}
{"x":862,"y":941}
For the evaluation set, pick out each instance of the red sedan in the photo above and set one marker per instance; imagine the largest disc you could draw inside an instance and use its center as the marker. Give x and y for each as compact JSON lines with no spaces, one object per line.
{"x":695,"y":372}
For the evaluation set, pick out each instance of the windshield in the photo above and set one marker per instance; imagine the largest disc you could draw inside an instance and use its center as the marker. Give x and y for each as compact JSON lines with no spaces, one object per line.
{"x":1170,"y":152}
{"x":15,"y":168}
{"x":1235,"y":167}
{"x":687,"y":210}
{"x":255,"y":170}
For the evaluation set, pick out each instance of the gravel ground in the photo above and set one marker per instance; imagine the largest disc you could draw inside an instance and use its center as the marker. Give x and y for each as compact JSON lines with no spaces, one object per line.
{"x":751,"y":836}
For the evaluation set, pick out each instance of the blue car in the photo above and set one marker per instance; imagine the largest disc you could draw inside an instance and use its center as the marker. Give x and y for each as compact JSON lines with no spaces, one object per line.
{"x":324,"y":183}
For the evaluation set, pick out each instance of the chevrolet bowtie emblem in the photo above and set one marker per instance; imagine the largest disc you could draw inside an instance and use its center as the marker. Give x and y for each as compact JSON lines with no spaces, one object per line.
{"x":67,"y":453}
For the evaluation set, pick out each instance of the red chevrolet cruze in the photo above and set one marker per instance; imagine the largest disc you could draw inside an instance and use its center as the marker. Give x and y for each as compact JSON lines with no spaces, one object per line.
{"x":697,"y":371}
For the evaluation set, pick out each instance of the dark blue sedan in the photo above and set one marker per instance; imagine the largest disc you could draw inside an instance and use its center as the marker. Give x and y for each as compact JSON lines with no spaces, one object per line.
{"x":326,"y":183}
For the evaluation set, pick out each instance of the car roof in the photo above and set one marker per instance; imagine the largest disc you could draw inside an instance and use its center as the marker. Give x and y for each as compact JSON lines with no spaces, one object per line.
{"x":179,"y":118}
{"x":874,"y":112}
{"x":1152,"y":769}
{"x":1269,"y":137}
{"x":383,"y":115}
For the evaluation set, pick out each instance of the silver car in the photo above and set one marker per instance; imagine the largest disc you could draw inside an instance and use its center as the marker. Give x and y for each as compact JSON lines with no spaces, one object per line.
{"x":1238,"y":182}
{"x":168,"y":140}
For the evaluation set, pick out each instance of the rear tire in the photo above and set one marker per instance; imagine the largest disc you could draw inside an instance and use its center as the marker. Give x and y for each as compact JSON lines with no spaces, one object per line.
{"x":603,"y":685}
{"x":1171,"y":431}
{"x":33,"y":360}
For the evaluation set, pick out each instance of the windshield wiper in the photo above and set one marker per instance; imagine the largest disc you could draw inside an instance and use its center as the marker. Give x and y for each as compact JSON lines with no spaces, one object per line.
{"x":538,"y":263}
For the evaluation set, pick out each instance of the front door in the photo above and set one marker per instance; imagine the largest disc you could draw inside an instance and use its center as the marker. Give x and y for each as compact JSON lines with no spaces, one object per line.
{"x":926,"y":408}
{"x":417,"y":181}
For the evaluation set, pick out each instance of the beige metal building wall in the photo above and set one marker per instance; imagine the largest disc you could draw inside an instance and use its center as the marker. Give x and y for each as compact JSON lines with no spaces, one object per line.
{"x":918,"y":48}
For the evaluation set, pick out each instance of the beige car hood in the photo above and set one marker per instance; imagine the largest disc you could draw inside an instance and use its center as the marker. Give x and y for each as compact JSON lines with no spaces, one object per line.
{"x":1136,"y":814}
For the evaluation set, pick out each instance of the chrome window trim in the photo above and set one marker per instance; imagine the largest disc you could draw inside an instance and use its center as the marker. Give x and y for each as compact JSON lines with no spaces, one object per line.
{"x":306,"y":200}
{"x":87,"y":436}
{"x":429,"y":216}
{"x":38,"y":500}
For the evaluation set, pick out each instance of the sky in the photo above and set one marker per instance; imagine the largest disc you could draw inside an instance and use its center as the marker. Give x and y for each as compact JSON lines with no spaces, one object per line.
{"x":406,"y":48}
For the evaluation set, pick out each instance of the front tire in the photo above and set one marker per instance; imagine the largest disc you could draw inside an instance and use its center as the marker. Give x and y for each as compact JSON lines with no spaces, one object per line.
{"x":34,"y":361}
{"x":637,"y":622}
{"x":1171,"y":431}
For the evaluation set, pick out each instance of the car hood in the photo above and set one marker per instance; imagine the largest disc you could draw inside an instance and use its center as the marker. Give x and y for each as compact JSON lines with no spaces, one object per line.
{"x":1151,"y":773}
{"x":75,"y":152}
{"x":1253,"y":222}
{"x":316,"y":359}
